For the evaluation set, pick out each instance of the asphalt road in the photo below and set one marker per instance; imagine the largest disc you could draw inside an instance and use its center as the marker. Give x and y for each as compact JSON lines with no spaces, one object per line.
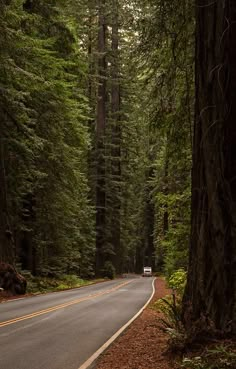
{"x":62,"y":330}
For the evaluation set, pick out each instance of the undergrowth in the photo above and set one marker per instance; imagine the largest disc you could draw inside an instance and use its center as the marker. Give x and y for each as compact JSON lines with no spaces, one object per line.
{"x":220,"y":357}
{"x":170,"y":322}
{"x":171,"y":309}
{"x":202,"y":334}
{"x":41,"y":284}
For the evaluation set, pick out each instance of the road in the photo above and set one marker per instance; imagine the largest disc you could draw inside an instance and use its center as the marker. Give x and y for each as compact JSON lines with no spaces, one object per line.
{"x":62,"y":330}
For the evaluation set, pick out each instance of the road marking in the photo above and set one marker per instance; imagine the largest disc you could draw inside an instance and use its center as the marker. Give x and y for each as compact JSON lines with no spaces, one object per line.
{"x":94,"y":357}
{"x":62,"y":306}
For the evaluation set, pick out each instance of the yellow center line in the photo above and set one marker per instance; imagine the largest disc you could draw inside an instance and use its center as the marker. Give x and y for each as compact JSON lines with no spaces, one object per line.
{"x":61,"y":306}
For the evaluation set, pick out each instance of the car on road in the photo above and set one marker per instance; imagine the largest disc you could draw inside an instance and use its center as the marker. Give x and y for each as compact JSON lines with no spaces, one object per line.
{"x":147,"y":272}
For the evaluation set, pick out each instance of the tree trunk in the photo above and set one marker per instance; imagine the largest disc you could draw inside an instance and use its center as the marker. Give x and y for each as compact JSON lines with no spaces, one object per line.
{"x":11,"y":281}
{"x":116,"y":133}
{"x":7,"y":248}
{"x":166,"y":193}
{"x":150,"y":251}
{"x":101,"y":123}
{"x":211,"y":284}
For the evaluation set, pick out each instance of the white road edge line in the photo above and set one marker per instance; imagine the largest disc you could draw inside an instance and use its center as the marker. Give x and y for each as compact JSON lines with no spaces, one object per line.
{"x":92,"y":358}
{"x":14,"y":300}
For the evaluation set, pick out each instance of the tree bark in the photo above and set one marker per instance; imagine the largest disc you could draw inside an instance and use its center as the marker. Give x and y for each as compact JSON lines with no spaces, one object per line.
{"x":102,"y":69}
{"x":116,"y":138}
{"x":211,"y":283}
{"x":166,"y":192}
{"x":100,"y":126}
{"x":7,"y":246}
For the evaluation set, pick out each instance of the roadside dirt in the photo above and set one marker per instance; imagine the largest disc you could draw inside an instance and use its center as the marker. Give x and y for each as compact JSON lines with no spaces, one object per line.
{"x":143,"y":345}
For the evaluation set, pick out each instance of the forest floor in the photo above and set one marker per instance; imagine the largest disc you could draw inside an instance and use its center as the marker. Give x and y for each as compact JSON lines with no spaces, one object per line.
{"x":37,"y":286}
{"x":144,"y":344}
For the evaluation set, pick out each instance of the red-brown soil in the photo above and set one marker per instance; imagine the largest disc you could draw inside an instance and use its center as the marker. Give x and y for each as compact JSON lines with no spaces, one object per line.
{"x":143,"y":345}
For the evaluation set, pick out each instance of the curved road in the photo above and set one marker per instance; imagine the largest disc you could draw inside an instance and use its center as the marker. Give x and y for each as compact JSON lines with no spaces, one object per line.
{"x":62,"y":330}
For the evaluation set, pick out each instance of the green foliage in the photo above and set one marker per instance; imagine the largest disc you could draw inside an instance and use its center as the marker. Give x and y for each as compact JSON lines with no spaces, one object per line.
{"x":108,"y":270}
{"x":71,"y":280}
{"x":171,"y":323}
{"x":177,"y":281}
{"x":174,"y":241}
{"x":166,"y":67}
{"x":46,"y":284}
{"x":46,"y":141}
{"x":194,"y":363}
{"x":221,"y":357}
{"x":171,"y":308}
{"x":48,"y":107}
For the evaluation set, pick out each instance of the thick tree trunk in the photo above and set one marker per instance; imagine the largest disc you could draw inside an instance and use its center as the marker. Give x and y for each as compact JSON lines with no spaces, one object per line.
{"x":102,"y":68}
{"x":116,"y":133}
{"x":150,"y":251}
{"x":11,"y":281}
{"x":211,"y":285}
{"x":7,"y":248}
{"x":100,"y":125}
{"x":166,"y":192}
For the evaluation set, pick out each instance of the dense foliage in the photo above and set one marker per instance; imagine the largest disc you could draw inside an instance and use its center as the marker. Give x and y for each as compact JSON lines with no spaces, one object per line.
{"x":59,"y":168}
{"x":44,"y":141}
{"x":166,"y":64}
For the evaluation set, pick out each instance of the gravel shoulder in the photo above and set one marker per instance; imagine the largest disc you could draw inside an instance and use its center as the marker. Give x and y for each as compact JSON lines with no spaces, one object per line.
{"x":143,"y":345}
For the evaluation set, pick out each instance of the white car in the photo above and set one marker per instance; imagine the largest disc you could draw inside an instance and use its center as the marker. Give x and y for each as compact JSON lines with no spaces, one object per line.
{"x":147,"y":272}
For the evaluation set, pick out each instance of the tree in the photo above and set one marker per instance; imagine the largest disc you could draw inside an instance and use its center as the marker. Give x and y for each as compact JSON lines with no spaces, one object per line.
{"x":166,"y":66}
{"x":83,"y":128}
{"x":17,"y":138}
{"x":113,"y":144}
{"x":101,"y":118}
{"x":44,"y":140}
{"x":121,"y":153}
{"x":211,"y":283}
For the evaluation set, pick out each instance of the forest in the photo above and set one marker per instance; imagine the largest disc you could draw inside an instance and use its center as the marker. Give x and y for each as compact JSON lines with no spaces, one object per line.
{"x":118,"y":143}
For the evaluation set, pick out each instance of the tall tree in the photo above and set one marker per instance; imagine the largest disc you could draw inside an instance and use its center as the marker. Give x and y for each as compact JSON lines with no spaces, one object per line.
{"x":100,"y":136}
{"x":44,"y":140}
{"x":17,"y":141}
{"x":166,"y":67}
{"x":115,"y":140}
{"x":6,"y":236}
{"x":211,"y":284}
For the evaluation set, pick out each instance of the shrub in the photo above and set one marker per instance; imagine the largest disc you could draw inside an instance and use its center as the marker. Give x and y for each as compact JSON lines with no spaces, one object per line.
{"x":221,"y":357}
{"x":108,"y":270}
{"x":71,"y":280}
{"x":177,"y":281}
{"x":171,"y":323}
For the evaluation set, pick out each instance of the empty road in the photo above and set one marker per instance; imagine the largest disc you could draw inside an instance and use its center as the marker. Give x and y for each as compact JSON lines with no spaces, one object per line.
{"x":62,"y":330}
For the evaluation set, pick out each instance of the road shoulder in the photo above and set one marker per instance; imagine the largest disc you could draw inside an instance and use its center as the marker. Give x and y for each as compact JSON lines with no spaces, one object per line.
{"x":143,"y":345}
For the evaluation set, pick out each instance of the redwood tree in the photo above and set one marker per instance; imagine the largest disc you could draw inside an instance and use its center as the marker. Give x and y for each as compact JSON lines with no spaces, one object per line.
{"x":100,"y":136}
{"x":115,"y":140}
{"x":211,"y":284}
